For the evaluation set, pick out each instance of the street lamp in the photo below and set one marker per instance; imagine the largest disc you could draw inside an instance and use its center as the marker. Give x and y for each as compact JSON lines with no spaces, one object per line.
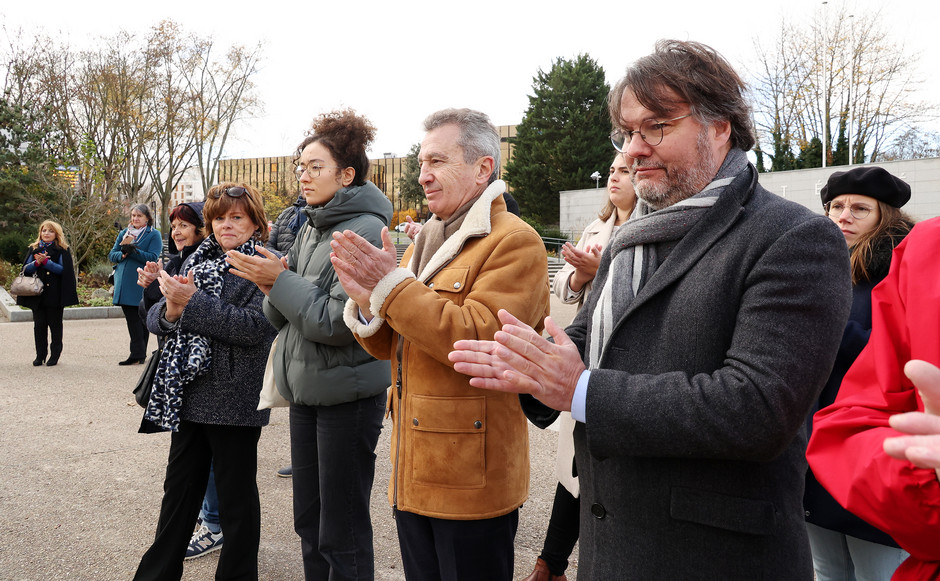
{"x":596,"y":176}
{"x":851,"y":88}
{"x":825,"y":96}
{"x":386,"y":156}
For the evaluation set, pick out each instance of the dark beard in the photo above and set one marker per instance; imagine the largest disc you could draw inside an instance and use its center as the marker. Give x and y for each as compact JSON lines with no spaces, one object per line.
{"x":680,"y":183}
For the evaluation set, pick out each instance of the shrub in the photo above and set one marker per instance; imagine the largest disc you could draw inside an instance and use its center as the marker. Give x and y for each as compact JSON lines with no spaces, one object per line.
{"x":13,"y":245}
{"x":97,"y":275}
{"x":399,"y":216}
{"x":8,"y":271}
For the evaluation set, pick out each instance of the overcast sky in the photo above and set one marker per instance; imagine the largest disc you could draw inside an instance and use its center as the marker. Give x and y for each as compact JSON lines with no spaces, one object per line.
{"x":395,"y":62}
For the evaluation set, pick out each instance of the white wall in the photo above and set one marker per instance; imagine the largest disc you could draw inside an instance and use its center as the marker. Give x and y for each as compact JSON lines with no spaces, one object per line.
{"x":578,"y":208}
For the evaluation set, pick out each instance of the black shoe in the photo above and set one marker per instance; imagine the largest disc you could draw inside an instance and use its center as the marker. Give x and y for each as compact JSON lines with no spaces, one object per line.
{"x":39,"y":361}
{"x":52,"y":361}
{"x":286,"y":472}
{"x":132,"y":361}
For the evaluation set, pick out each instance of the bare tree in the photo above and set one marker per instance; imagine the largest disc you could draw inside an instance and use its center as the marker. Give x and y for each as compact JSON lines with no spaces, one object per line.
{"x":135,"y":112}
{"x":222,"y":93}
{"x":171,"y":145}
{"x":839,"y":68}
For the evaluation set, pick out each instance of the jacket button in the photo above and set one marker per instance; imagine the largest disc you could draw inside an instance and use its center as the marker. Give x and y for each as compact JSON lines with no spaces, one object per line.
{"x":598,"y":510}
{"x":478,"y":424}
{"x":806,"y":514}
{"x":456,"y":285}
{"x":415,"y":421}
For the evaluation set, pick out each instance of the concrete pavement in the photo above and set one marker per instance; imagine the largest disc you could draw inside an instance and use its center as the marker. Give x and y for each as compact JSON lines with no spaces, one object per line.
{"x":80,"y":489}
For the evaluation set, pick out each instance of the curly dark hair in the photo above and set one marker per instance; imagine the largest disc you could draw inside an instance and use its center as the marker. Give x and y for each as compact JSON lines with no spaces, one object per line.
{"x":346,"y":135}
{"x":697,"y":75}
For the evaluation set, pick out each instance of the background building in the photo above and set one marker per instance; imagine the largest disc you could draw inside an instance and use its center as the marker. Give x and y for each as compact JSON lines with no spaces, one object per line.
{"x":274,"y":176}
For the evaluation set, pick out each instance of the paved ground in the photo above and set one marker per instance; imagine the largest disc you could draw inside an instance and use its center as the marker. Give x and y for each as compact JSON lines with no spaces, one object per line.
{"x":80,"y":488}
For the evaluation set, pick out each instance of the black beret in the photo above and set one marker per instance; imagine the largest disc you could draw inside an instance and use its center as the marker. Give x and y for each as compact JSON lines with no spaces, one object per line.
{"x":873,"y":182}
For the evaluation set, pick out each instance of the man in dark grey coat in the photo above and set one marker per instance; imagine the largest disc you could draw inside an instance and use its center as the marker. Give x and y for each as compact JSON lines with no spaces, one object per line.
{"x":712,"y":325}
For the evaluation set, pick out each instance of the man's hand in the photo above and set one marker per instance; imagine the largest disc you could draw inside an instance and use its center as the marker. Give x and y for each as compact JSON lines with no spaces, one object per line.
{"x":360,"y":265}
{"x":262,"y":270}
{"x":520,"y":360}
{"x":178,"y":290}
{"x":922,"y":446}
{"x":585,"y":263}
{"x":412,"y":228}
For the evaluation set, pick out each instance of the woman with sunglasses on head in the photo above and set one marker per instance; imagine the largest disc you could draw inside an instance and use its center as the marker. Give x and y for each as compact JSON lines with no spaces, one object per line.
{"x":216,"y":343}
{"x":135,"y":245}
{"x":187,"y":231}
{"x":865,"y":204}
{"x":571,"y":285}
{"x":336,"y":390}
{"x":49,"y":259}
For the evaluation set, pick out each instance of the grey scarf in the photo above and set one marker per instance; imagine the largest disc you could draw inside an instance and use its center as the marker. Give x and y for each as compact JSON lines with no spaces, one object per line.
{"x":633,"y":250}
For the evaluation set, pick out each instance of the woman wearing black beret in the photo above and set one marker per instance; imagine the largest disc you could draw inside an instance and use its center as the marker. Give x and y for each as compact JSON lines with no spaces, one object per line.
{"x":865,"y":203}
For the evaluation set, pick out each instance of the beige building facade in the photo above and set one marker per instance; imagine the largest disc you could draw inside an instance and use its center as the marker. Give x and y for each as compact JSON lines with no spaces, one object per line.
{"x":275,"y":175}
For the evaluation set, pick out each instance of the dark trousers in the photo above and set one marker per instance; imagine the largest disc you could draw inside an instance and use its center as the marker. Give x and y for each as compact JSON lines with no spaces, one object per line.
{"x":47,"y":320}
{"x":233,"y":451}
{"x":563,"y":529}
{"x":434,"y":549}
{"x":333,"y":462}
{"x":138,"y":332}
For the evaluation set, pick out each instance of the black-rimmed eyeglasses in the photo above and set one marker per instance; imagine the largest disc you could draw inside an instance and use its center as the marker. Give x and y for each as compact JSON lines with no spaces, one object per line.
{"x":651,"y":131}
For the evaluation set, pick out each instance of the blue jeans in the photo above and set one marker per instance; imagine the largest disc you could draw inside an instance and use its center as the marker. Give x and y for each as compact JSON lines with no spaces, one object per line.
{"x":839,"y":557}
{"x":333,"y":459}
{"x":210,"y":505}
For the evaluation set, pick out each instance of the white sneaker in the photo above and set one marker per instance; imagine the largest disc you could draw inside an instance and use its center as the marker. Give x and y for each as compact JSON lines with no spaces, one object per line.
{"x":203,"y":542}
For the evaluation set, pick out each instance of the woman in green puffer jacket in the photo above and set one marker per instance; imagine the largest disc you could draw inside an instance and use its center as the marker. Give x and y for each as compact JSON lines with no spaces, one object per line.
{"x":337,"y":392}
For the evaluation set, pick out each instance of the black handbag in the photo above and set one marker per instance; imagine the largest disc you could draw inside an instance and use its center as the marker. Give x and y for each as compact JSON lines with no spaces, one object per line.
{"x":145,"y":383}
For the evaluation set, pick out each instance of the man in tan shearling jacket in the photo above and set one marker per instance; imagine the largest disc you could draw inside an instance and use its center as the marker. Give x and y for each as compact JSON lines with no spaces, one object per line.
{"x":460,"y":455}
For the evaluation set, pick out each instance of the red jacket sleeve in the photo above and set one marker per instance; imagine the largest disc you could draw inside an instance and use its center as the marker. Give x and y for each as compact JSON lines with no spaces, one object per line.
{"x":845,"y":450}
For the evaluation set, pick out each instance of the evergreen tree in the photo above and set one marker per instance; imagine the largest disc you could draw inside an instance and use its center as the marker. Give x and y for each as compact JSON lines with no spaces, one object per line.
{"x":810,"y":155}
{"x":409,"y":189}
{"x":782,"y":158}
{"x":840,"y":156}
{"x":563,"y":137}
{"x":25,"y":165}
{"x":759,"y":162}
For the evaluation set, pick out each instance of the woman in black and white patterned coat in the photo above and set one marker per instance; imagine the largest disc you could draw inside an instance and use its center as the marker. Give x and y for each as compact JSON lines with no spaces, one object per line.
{"x":206,"y":389}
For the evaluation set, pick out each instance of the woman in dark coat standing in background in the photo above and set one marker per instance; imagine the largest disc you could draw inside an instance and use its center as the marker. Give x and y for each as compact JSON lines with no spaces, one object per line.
{"x":134,"y":247}
{"x":50,"y":259}
{"x":865,"y":203}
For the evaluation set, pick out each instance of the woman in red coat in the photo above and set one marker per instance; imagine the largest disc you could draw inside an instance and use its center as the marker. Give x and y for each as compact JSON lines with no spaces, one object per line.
{"x":847,"y":448}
